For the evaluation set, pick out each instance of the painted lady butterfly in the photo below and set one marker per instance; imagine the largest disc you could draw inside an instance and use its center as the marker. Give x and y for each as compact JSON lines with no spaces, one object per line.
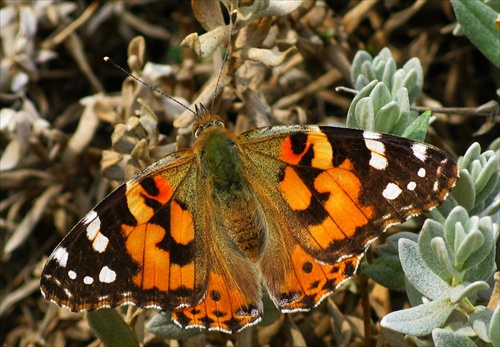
{"x":201,"y":232}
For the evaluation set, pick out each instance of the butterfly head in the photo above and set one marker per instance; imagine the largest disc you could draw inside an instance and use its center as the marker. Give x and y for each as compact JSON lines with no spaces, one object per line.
{"x":205,"y":119}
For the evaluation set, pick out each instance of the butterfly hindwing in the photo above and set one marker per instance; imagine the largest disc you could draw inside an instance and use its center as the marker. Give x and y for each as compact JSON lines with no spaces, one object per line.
{"x":232,"y":299}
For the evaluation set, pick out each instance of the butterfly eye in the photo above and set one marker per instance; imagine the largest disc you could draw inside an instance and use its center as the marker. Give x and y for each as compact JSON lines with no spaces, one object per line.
{"x":197,"y":129}
{"x":219,"y":123}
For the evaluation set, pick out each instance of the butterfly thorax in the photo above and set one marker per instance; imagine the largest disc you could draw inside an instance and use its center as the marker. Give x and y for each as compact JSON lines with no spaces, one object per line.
{"x":236,"y":212}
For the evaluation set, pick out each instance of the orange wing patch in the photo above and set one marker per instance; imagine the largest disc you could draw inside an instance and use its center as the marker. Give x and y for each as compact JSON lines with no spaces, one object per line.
{"x":156,"y":269}
{"x":142,"y":239}
{"x":155,"y":263}
{"x":162,"y":244}
{"x":310,"y":281}
{"x":296,"y":194}
{"x":153,"y":188}
{"x":181,"y":224}
{"x":344,"y":190}
{"x":295,"y":279}
{"x":224,"y":308}
{"x":293,"y":150}
{"x":340,"y":190}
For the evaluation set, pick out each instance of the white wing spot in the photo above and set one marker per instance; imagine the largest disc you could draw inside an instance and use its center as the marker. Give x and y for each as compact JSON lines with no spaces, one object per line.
{"x":89,"y":217}
{"x":107,"y":275}
{"x":411,"y":185}
{"x":100,"y":243}
{"x":391,"y":192}
{"x":71,"y":274}
{"x":421,"y":172}
{"x":436,"y":186}
{"x":419,"y":151}
{"x":371,"y":136}
{"x":378,"y":160}
{"x":444,"y":162}
{"x":61,"y":256}
{"x":88,"y":280}
{"x":93,"y":228}
{"x":68,"y":293}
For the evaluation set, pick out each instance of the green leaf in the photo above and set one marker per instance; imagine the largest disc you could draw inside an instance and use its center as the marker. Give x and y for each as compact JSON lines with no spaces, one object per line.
{"x":452,"y":233}
{"x":473,"y":152}
{"x":444,"y":257}
{"x":389,"y":70}
{"x":367,"y":71}
{"x":430,"y":230}
{"x":162,"y":325}
{"x":361,"y":82}
{"x":477,"y":22}
{"x":359,"y":59}
{"x":417,"y":130}
{"x":446,"y":338}
{"x":380,"y":96}
{"x":464,"y":192}
{"x":410,"y":82}
{"x":462,"y":291}
{"x":480,"y":320}
{"x":271,"y":312}
{"x":379,"y":68}
{"x":387,"y":117}
{"x":440,"y":213}
{"x":419,"y":320}
{"x":482,"y":271}
{"x":419,"y":274}
{"x":481,"y":171}
{"x":397,"y":81}
{"x":380,"y":61}
{"x":494,"y":324}
{"x":488,"y":171}
{"x":109,"y":326}
{"x":351,"y":121}
{"x":487,"y":229}
{"x":401,"y":97}
{"x":413,"y":66}
{"x":491,"y":174}
{"x":414,"y":296}
{"x":472,"y":239}
{"x":386,"y":271}
{"x":393,"y":241}
{"x":365,"y":116}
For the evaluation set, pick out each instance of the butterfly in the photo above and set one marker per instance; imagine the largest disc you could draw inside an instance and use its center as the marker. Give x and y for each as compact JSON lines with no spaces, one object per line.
{"x":204,"y":231}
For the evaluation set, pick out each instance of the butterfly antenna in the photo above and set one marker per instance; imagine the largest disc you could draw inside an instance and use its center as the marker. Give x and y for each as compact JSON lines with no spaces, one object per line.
{"x":231,"y":29}
{"x":109,"y":60}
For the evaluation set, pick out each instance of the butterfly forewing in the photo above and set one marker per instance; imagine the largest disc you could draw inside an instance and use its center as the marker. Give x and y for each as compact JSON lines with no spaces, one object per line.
{"x":137,"y":247}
